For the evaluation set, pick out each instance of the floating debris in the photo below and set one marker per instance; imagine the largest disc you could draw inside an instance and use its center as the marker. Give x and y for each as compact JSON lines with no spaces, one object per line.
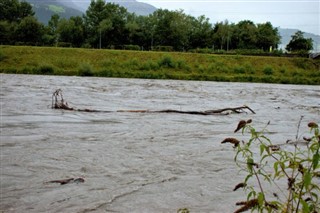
{"x":59,"y":103}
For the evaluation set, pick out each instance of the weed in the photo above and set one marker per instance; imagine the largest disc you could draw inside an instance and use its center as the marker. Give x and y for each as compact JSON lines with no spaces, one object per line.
{"x":295,"y":163}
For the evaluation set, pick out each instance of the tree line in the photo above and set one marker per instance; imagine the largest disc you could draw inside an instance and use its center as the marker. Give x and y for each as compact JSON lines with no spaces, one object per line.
{"x":108,"y":25}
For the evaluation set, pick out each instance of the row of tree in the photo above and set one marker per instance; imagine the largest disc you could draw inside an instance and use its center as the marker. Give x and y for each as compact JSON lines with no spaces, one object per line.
{"x":107,"y":25}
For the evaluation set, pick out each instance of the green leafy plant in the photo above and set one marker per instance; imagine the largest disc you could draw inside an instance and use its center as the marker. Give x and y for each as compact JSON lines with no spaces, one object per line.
{"x":290,"y":170}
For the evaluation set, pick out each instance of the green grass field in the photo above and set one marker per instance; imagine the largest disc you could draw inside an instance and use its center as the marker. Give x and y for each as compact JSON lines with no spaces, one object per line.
{"x":157,"y":65}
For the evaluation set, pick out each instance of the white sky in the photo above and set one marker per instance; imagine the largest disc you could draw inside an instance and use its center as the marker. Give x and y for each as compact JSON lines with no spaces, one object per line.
{"x":295,"y":14}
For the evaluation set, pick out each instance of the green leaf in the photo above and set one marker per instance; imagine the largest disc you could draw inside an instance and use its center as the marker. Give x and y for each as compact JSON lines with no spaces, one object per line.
{"x":247,"y":178}
{"x":314,"y":196}
{"x":250,"y":164}
{"x":305,"y":206}
{"x":262,"y":148}
{"x":275,"y":167}
{"x":267,"y":139}
{"x":315,"y":160}
{"x":307,"y":179}
{"x":251,"y":194}
{"x":260,"y":198}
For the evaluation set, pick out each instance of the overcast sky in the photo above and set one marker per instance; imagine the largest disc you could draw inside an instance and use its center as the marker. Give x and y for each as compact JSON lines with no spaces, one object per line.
{"x":295,"y":14}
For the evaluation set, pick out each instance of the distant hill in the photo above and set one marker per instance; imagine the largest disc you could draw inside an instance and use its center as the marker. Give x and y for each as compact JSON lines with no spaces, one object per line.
{"x":44,"y":9}
{"x":132,"y":6}
{"x":286,"y":37}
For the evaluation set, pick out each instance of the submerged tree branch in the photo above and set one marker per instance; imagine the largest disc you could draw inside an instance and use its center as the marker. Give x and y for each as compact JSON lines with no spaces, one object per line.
{"x":59,"y":103}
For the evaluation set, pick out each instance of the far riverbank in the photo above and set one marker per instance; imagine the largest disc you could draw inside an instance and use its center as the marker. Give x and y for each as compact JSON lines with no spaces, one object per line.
{"x":158,"y":65}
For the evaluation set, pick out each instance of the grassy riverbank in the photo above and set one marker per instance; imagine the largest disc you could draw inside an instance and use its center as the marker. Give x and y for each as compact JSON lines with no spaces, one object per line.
{"x":157,"y":65}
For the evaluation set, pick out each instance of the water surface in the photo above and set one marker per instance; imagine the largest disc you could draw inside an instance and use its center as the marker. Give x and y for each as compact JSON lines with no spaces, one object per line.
{"x":134,"y":162}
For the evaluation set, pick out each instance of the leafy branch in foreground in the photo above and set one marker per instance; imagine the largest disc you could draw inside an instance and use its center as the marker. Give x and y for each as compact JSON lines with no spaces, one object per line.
{"x":279,"y":178}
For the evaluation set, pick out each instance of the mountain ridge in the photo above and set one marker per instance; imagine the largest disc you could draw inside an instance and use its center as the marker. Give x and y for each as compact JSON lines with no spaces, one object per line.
{"x":65,"y":9}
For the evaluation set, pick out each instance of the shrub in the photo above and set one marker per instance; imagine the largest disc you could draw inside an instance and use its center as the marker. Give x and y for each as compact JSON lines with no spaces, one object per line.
{"x":268,"y":70}
{"x":167,"y":62}
{"x":131,"y":47}
{"x":302,"y":63}
{"x":295,"y":164}
{"x":132,"y":63}
{"x":283,"y":70}
{"x":249,"y":68}
{"x":85,"y":69}
{"x":182,"y":64}
{"x":239,"y":70}
{"x":149,"y":65}
{"x":64,"y":44}
{"x":45,"y":69}
{"x":163,"y":48}
{"x":201,"y":50}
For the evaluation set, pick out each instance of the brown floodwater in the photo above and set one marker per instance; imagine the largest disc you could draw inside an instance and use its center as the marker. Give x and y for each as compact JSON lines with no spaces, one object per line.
{"x":134,"y":162}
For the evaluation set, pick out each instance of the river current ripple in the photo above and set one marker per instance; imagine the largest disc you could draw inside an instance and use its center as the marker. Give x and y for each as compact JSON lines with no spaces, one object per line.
{"x":134,"y":162}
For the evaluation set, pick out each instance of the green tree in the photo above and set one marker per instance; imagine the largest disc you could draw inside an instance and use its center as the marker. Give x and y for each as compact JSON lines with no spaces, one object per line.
{"x":222,"y":35}
{"x":14,"y":10}
{"x":25,"y":10}
{"x":267,"y":36}
{"x":71,"y":31}
{"x":132,"y":27}
{"x":105,"y":21}
{"x":201,"y":32}
{"x":6,"y":30}
{"x":15,"y":16}
{"x":246,"y":35}
{"x":29,"y":30}
{"x":50,"y":36}
{"x":53,"y":23}
{"x":170,"y":28}
{"x":143,"y":36}
{"x":299,"y":44}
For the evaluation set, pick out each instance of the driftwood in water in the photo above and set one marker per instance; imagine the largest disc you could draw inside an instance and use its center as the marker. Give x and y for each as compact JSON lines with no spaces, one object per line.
{"x":59,"y":103}
{"x":207,"y":112}
{"x":66,"y":181}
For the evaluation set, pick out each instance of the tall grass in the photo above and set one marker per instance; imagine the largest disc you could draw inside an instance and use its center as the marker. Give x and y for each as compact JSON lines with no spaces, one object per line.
{"x":160,"y":65}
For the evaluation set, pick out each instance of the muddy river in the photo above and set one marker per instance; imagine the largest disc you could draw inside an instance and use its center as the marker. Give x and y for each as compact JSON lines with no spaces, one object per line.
{"x":134,"y":162}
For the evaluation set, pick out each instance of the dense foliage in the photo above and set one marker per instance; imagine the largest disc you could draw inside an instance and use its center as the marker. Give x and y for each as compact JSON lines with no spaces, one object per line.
{"x":107,"y":25}
{"x":299,"y":43}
